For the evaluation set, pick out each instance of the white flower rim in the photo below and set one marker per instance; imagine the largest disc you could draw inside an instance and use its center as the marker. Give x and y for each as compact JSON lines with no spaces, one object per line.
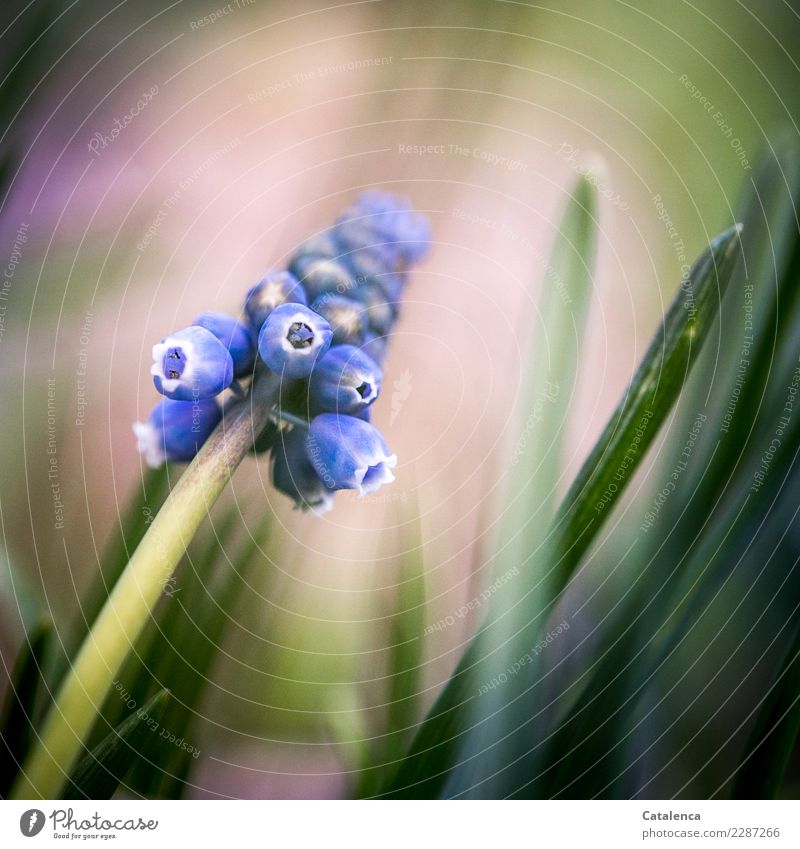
{"x":148,"y":444}
{"x":170,"y":384}
{"x":301,"y":318}
{"x":365,"y":401}
{"x":386,"y":476}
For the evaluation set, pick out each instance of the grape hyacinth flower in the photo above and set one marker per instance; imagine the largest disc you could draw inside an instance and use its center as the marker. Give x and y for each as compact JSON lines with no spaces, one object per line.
{"x":388,"y":220}
{"x":322,"y":244}
{"x":272,"y":290}
{"x":234,"y":336}
{"x":307,"y":377}
{"x":375,"y":346}
{"x":293,"y":474}
{"x":348,"y":453}
{"x":345,"y":380}
{"x":381,"y":313}
{"x":175,"y":430}
{"x":396,"y":220}
{"x":347,"y":318}
{"x":292,"y":338}
{"x":366,"y":249}
{"x":321,"y":275}
{"x":375,"y":266}
{"x":191,"y":364}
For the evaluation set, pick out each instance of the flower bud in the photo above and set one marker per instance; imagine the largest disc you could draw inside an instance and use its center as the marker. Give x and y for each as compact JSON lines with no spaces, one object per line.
{"x":412,"y":236}
{"x":381,"y":313}
{"x":293,"y":474}
{"x":367,"y":267}
{"x":348,"y":453}
{"x":292,"y":338}
{"x":322,"y":244}
{"x":362,"y":243}
{"x":345,"y":316}
{"x":392,"y":220}
{"x":345,"y":380}
{"x":374,"y":346}
{"x":191,"y":364}
{"x":175,"y":430}
{"x":272,"y":290}
{"x":322,"y":276}
{"x":234,"y":336}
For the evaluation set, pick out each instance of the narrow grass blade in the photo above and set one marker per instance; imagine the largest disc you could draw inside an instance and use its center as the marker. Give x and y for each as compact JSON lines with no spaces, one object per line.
{"x":550,"y":374}
{"x":587,"y":755}
{"x":23,"y":702}
{"x":8,"y":165}
{"x":707,"y":528}
{"x":25,"y":65}
{"x":99,"y":773}
{"x":22,"y":67}
{"x":755,"y":335}
{"x":601,"y":480}
{"x":131,"y":528}
{"x":494,"y":760}
{"x":649,"y":398}
{"x":19,"y":595}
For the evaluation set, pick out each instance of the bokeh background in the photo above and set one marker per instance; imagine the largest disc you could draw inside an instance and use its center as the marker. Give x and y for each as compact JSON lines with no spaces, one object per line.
{"x":247,"y":126}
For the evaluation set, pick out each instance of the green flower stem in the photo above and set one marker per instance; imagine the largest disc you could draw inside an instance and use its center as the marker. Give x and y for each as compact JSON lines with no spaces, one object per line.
{"x":67,"y":725}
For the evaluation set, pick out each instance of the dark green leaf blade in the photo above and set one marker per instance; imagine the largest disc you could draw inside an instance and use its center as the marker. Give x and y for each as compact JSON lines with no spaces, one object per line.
{"x":133,"y":525}
{"x":652,"y":393}
{"x":99,"y":773}
{"x":755,"y":344}
{"x":713,"y":526}
{"x":774,"y":734}
{"x":649,"y":398}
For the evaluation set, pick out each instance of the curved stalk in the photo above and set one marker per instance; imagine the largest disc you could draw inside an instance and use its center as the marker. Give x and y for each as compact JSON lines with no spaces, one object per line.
{"x":70,"y":719}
